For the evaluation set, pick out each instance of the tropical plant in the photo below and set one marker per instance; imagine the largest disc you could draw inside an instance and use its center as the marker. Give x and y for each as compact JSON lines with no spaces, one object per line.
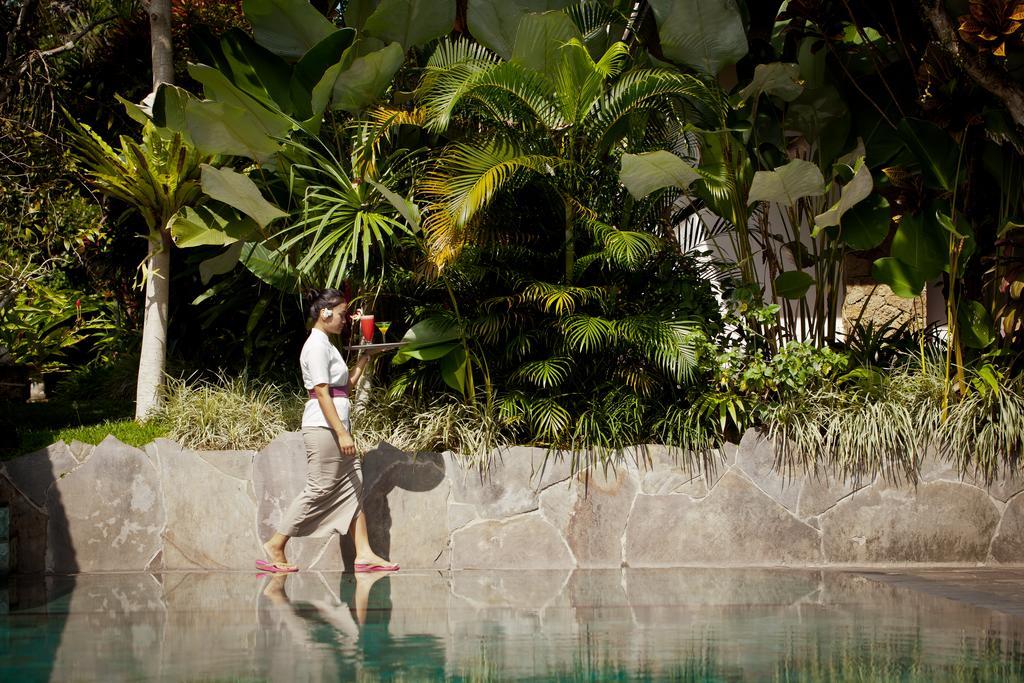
{"x":157,"y":178}
{"x":227,"y":412}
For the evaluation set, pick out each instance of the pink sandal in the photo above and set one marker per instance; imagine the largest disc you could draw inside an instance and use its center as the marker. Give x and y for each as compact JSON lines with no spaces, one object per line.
{"x":275,"y":568}
{"x":366,"y":568}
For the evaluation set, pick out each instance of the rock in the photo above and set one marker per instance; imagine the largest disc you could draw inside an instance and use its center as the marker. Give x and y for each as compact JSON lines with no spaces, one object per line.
{"x":938,"y":522}
{"x":80,"y":450}
{"x":1008,"y":544}
{"x":106,"y":515}
{"x":558,"y":502}
{"x":34,"y":473}
{"x":237,"y":464}
{"x":511,"y":486}
{"x":1002,"y":488}
{"x":524,"y":542}
{"x":26,"y":541}
{"x":278,"y":476}
{"x":406,"y":499}
{"x":460,"y":514}
{"x":818,"y":494}
{"x":755,"y":457}
{"x":667,"y":474}
{"x":735,"y":524}
{"x":598,"y":517}
{"x":209,"y":513}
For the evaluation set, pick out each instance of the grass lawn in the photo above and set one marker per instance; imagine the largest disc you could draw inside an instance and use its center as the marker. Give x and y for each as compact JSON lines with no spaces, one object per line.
{"x":37,"y":425}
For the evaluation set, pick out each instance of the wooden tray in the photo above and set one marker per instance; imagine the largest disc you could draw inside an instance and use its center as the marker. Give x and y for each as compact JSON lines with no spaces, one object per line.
{"x":384,"y":346}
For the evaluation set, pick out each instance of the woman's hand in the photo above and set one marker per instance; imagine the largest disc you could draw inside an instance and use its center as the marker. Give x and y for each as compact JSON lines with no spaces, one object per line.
{"x":346,"y":444}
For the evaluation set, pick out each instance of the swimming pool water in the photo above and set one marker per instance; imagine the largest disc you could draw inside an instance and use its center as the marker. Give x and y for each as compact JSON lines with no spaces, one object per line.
{"x":594,"y":625}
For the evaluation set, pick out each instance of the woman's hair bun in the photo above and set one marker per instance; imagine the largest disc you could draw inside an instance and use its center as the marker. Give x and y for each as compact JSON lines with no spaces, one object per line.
{"x":318,"y":299}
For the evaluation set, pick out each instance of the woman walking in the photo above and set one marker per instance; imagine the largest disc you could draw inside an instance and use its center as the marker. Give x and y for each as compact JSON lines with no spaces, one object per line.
{"x":331,"y":502}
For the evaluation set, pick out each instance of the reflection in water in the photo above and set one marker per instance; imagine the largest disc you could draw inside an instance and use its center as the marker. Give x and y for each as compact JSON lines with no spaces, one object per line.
{"x":686,"y":624}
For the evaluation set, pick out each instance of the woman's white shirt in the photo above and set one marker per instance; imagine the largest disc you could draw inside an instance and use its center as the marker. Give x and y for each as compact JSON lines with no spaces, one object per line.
{"x":322,"y":364}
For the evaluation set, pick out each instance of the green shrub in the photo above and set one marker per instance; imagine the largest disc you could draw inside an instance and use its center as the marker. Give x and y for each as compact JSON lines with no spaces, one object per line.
{"x":227,"y":413}
{"x":412,"y":424}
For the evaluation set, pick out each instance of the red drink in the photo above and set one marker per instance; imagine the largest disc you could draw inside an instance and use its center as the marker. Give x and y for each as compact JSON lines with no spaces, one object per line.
{"x":367,"y":327}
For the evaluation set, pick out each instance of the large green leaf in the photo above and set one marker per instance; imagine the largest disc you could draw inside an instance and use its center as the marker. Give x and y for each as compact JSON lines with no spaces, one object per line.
{"x":778,"y":78}
{"x":975,"y":324}
{"x":366,"y":78}
{"x":212,"y":223}
{"x":454,"y":367}
{"x":169,"y":107}
{"x":935,"y":150}
{"x":223,"y":128}
{"x":309,"y":97}
{"x":866,"y":225}
{"x":539,"y":41}
{"x":222,"y":263}
{"x":256,"y":70}
{"x":288,"y":28}
{"x":358,"y":11}
{"x":495,"y":24}
{"x":901,"y":278}
{"x":410,"y":22}
{"x":429,"y":339}
{"x":922,"y":243}
{"x":271,"y":266}
{"x":644,"y":173}
{"x":239,"y":191}
{"x":854,"y":192}
{"x":793,"y":284}
{"x":786,"y":184}
{"x":218,"y":88}
{"x":706,"y":35}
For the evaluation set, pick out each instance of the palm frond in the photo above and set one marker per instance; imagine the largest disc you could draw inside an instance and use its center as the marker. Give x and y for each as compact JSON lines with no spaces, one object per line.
{"x":586,"y":333}
{"x":637,"y":89}
{"x":546,"y":372}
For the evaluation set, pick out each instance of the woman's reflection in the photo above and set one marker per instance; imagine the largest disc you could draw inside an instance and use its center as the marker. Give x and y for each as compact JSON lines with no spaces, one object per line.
{"x":349,"y":632}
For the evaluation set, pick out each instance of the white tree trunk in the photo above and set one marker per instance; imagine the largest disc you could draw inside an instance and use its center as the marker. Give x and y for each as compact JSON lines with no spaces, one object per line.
{"x":158,"y":283}
{"x":154,"y":328}
{"x":160,"y":41}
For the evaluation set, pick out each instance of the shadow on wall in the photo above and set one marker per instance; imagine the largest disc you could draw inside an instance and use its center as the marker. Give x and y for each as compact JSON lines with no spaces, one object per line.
{"x":33,"y":512}
{"x":385,"y":470}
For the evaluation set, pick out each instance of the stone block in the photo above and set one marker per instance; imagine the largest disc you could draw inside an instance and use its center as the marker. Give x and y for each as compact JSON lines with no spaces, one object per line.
{"x":80,"y":450}
{"x":938,"y":521}
{"x":597,"y":519}
{"x":755,"y":457}
{"x":512,"y":483}
{"x":107,"y":514}
{"x":406,"y":499}
{"x":209,"y":514}
{"x":34,"y":473}
{"x":735,"y":524}
{"x":523,"y":542}
{"x":819,"y":494}
{"x":667,"y":474}
{"x":1008,"y":544}
{"x":237,"y":464}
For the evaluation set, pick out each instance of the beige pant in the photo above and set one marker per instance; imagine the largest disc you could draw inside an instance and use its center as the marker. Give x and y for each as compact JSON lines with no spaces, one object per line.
{"x":333,"y":492}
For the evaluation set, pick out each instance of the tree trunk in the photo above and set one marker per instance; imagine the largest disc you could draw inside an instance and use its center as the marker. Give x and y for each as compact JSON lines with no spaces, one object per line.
{"x":158,"y":281}
{"x":154,"y":327}
{"x":160,"y":41}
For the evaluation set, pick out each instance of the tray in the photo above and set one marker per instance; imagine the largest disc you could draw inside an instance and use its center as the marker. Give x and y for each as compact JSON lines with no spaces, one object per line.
{"x":384,"y":346}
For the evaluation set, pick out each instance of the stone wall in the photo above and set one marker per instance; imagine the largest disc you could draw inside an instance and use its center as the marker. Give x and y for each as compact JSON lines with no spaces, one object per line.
{"x":79,"y":508}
